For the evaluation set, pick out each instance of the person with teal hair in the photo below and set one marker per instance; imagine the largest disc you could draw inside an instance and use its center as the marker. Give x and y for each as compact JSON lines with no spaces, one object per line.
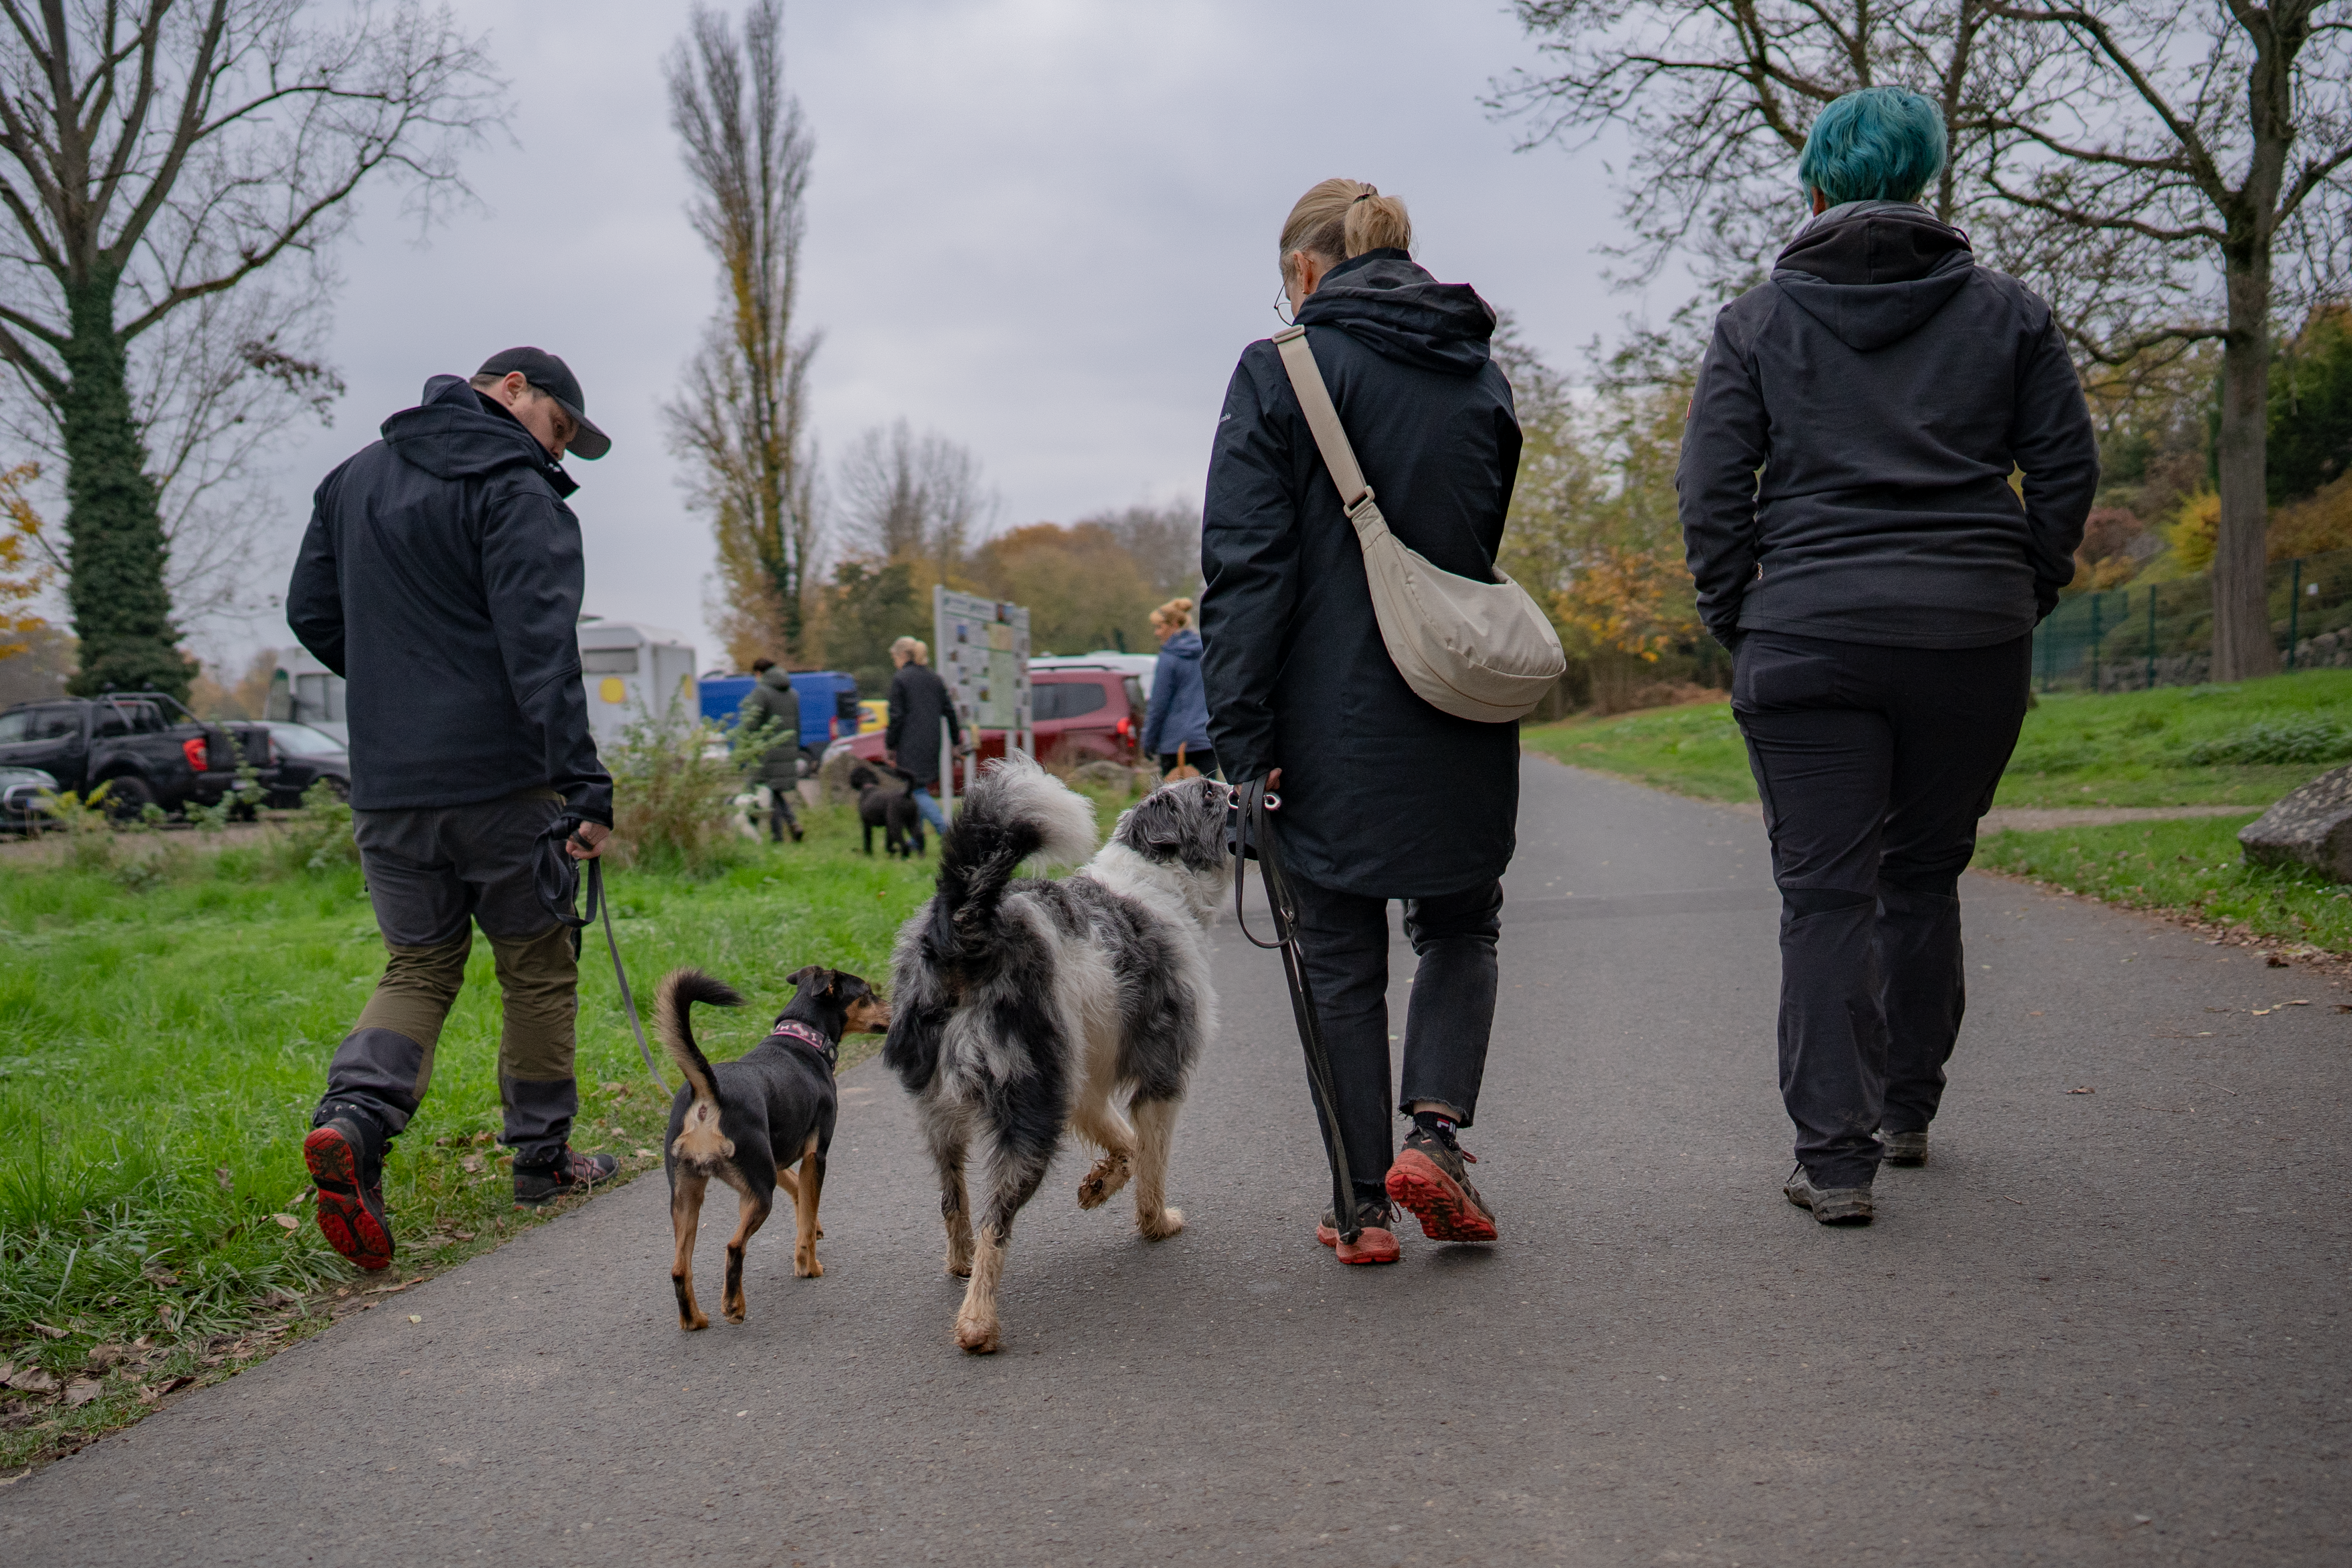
{"x":1845,"y":500}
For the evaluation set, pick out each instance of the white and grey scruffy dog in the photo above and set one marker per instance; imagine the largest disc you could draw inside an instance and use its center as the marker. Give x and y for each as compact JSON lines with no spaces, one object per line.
{"x":1021,"y":1006}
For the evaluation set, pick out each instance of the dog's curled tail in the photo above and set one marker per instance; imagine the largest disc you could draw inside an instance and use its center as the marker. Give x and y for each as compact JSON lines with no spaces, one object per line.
{"x":1016,"y":812}
{"x":680,"y":990}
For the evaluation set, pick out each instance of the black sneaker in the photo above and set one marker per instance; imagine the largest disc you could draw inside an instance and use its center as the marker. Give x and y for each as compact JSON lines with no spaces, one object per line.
{"x":1374,"y":1243}
{"x":345,"y":1153}
{"x":1831,"y":1206}
{"x":569,"y":1174}
{"x":1904,"y":1147}
{"x":1430,"y":1178}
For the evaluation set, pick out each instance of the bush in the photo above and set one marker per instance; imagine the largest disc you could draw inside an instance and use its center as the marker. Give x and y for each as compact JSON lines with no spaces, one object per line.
{"x":2290,"y":740}
{"x":319,"y":837}
{"x":674,"y":789}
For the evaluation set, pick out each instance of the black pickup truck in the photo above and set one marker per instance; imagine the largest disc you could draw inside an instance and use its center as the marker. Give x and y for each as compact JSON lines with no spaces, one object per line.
{"x":132,"y":743}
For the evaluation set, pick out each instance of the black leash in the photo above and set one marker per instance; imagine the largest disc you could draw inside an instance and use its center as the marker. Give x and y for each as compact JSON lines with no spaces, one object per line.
{"x":1253,"y":835}
{"x":558,"y":885}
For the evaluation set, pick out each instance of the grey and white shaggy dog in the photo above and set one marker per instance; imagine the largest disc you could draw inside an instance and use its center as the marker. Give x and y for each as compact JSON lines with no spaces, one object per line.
{"x":1021,"y":1007}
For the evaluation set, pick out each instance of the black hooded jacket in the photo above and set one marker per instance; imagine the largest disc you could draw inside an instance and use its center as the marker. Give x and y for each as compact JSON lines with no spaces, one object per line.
{"x":441,"y":576}
{"x":1382,"y":795}
{"x":1885,"y":386}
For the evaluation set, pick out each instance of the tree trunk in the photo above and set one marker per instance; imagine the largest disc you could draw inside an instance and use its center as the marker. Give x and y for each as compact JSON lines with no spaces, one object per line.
{"x":2242,"y":617}
{"x":115,"y":550}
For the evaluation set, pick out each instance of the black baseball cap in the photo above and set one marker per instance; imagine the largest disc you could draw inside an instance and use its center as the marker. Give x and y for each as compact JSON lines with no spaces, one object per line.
{"x":553,"y":377}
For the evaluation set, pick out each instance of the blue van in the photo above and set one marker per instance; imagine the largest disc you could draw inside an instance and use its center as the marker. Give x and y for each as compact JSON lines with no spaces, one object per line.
{"x":828,"y":703}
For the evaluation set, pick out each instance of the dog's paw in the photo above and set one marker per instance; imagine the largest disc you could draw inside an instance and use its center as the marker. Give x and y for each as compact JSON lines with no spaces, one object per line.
{"x":808,"y":1267}
{"x":736,"y":1313}
{"x":975,"y":1337}
{"x":1104,"y":1180}
{"x":1169,"y":1223}
{"x":690,"y":1325}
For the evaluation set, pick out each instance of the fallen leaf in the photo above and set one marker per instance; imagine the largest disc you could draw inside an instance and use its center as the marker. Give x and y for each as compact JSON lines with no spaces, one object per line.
{"x":161,"y":1386}
{"x":342,"y":1290}
{"x":389,"y":1290}
{"x":155,"y":1274}
{"x":288,"y":1220}
{"x":2291,"y":1005}
{"x":20,"y":1475}
{"x":465,"y":1235}
{"x":81,"y":1391}
{"x":33,"y":1380}
{"x":104,"y":1357}
{"x":2086,"y":1089}
{"x":48,"y":1333}
{"x":2274,"y":961}
{"x":648,"y":1154}
{"x":7,"y":1371}
{"x":471,"y":1165}
{"x":228,"y":1182}
{"x":415,"y":1317}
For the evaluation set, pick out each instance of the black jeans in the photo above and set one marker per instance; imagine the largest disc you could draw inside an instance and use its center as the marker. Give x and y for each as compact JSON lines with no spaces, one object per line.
{"x":1344,"y":945}
{"x":1874,"y":765}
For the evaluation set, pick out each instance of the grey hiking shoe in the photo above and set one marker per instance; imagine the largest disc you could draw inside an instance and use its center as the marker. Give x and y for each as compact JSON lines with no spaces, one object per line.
{"x":1904,"y":1147}
{"x":569,"y":1174}
{"x":1831,"y":1206}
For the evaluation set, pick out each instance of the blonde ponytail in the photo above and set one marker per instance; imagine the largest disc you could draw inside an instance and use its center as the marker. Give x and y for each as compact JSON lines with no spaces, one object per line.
{"x":1338,"y":218}
{"x":1175,"y":614}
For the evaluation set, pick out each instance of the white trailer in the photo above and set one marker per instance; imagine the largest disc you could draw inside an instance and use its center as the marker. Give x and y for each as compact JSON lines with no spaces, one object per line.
{"x":633,"y":670}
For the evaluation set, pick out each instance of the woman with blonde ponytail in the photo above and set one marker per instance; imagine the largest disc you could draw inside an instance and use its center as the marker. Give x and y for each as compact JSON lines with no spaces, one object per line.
{"x":1383,"y":795}
{"x":1177,"y":730}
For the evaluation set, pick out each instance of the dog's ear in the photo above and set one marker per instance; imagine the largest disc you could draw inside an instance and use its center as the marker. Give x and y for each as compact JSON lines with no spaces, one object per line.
{"x":801,"y":978}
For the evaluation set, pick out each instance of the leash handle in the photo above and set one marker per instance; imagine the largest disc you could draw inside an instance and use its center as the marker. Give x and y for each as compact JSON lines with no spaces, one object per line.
{"x":1258,"y":805}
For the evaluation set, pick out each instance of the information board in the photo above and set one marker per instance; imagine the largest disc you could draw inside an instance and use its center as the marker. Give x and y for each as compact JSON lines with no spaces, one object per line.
{"x":981,"y":651}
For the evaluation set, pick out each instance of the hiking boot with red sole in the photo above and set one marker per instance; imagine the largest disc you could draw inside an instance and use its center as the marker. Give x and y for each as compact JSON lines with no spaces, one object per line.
{"x":347,"y":1170}
{"x":1374,"y":1243}
{"x":1429,"y":1180}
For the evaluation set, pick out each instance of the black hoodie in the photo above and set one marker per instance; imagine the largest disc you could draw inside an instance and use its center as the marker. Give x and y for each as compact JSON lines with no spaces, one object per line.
{"x":1885,"y":386}
{"x":1382,"y":795}
{"x":441,"y":576}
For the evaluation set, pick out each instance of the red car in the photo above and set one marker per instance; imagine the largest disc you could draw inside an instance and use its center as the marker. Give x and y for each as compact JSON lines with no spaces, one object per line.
{"x":1080,"y":716}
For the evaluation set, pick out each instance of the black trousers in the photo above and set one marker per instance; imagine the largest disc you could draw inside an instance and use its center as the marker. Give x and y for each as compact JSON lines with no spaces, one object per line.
{"x":1199,"y":757}
{"x":1874,"y":765}
{"x":1344,"y":949}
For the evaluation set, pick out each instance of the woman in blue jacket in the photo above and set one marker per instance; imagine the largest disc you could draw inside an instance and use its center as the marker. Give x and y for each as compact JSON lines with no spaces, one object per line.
{"x":1179,"y":705}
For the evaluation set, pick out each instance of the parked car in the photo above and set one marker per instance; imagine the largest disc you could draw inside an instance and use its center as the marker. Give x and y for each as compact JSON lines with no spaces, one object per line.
{"x":131,"y":742}
{"x":1139,"y":665}
{"x":305,"y":756}
{"x":21,"y":789}
{"x":1079,"y":714}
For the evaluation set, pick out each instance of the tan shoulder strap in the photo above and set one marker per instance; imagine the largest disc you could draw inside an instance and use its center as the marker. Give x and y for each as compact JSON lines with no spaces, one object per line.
{"x":1315,"y":402}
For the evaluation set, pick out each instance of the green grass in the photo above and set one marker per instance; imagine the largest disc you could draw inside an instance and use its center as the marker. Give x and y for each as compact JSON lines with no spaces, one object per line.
{"x":2194,"y":745}
{"x":2190,"y":867}
{"x":165,"y":1033}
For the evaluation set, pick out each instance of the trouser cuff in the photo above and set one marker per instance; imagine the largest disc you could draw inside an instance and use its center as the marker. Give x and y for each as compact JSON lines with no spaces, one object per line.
{"x":381,"y":1072}
{"x":537,"y":1117}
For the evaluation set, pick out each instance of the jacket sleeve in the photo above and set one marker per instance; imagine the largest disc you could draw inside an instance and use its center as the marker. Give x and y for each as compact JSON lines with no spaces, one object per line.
{"x":1162,"y":702}
{"x":2053,"y":441}
{"x":314,"y":599}
{"x":1249,"y":573}
{"x":1724,"y":443}
{"x":532,"y":579}
{"x":898,"y":725}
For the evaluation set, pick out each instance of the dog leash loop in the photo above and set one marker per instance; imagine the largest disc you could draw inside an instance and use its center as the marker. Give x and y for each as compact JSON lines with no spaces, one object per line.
{"x":559,"y":880}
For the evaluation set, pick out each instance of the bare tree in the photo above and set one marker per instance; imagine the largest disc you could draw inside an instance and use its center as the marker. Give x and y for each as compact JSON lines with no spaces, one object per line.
{"x":741,"y":422}
{"x":156,"y":156}
{"x":913,"y":500}
{"x":1165,"y":542}
{"x":2195,"y":140}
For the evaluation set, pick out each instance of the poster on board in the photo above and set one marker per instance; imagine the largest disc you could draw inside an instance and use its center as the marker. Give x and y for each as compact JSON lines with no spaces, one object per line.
{"x":982,"y":655}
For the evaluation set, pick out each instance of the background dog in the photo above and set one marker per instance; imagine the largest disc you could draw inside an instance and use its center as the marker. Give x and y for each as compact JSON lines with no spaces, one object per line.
{"x":892,"y":809}
{"x":1022,"y":1007}
{"x":743,"y":1122}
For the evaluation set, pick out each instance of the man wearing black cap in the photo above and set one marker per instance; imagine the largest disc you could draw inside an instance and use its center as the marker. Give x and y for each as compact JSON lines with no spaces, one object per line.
{"x":441,"y":577}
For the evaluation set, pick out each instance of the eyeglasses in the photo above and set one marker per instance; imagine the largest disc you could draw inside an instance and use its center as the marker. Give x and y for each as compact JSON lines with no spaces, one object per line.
{"x":1282,"y":304}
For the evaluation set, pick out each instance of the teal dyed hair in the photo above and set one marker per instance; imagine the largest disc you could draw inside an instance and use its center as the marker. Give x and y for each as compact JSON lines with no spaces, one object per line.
{"x":1877,"y":143}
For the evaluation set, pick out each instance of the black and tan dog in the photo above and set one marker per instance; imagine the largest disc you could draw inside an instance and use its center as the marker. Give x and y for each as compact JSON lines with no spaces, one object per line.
{"x":891,"y":810}
{"x":743,"y":1122}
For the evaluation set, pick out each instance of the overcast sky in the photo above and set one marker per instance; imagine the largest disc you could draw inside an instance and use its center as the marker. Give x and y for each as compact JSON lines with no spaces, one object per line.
{"x":1045,"y":228}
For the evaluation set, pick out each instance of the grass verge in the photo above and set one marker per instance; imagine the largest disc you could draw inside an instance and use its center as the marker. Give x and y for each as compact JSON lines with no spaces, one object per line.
{"x":2190,"y":868}
{"x":165,"y":1022}
{"x":2198,"y":745}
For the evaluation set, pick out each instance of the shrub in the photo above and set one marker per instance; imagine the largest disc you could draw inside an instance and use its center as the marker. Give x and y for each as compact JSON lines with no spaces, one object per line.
{"x":674,"y":789}
{"x":89,"y":834}
{"x":318,"y":837}
{"x":2289,"y":741}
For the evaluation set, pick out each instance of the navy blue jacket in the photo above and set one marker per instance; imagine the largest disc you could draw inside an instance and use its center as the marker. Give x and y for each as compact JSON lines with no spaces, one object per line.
{"x":1885,"y":386}
{"x":1382,"y":795}
{"x":441,"y":576}
{"x":1179,"y":704}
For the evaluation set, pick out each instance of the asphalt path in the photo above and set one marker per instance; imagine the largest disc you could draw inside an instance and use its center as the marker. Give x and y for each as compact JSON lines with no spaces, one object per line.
{"x":2102,"y":1326}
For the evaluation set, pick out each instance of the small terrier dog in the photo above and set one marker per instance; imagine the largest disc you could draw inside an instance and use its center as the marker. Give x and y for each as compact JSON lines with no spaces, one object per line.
{"x":743,"y":1122}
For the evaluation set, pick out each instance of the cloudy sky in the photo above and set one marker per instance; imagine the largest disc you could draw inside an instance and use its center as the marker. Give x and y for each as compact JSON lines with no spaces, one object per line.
{"x":1045,"y":228}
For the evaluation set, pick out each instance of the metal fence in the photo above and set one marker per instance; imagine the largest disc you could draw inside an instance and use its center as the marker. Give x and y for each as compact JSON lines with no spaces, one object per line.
{"x":2161,"y":633}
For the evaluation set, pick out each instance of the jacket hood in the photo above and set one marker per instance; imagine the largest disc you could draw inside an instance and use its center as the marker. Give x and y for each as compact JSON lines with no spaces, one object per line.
{"x":1186,"y":644}
{"x":776,"y":676}
{"x":1399,"y":312}
{"x":455,"y":434}
{"x":1875,"y":276}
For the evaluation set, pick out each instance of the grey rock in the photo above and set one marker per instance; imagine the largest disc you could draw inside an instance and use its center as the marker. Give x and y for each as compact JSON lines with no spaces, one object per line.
{"x":2312,"y":826}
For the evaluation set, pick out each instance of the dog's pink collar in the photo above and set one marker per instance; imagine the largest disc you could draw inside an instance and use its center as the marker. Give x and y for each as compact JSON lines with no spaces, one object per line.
{"x":792,"y":1028}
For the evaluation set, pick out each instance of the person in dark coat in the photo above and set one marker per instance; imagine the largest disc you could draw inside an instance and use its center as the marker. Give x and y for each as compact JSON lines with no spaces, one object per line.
{"x":1878,"y":585}
{"x":918,"y":702}
{"x":1384,"y":796}
{"x":441,"y":577}
{"x":774,"y":707}
{"x":1178,"y":715}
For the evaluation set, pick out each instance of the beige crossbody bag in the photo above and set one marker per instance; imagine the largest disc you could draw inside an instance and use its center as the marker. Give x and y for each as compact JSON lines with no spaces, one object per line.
{"x":1477,"y":650}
